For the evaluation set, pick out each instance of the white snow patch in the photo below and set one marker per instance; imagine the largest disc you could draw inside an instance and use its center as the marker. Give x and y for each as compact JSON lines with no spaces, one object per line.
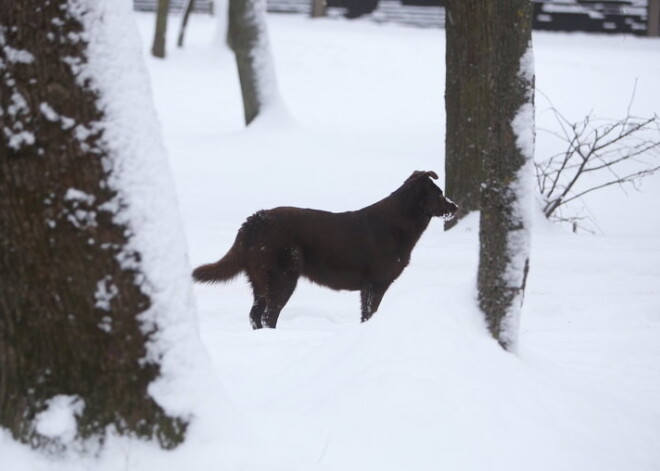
{"x":18,"y":105}
{"x":77,"y":67}
{"x":12,"y":54}
{"x":523,"y":129}
{"x":53,"y":116}
{"x":80,"y":217}
{"x":59,"y":419}
{"x":16,"y":131}
{"x":82,"y":132}
{"x":527,"y":70}
{"x":73,"y":194}
{"x":18,"y":55}
{"x":20,"y":138}
{"x":49,"y":112}
{"x":106,"y":291}
{"x":523,"y":187}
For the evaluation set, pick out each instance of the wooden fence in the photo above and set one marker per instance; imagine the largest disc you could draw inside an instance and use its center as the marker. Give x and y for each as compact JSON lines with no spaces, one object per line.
{"x":557,"y":15}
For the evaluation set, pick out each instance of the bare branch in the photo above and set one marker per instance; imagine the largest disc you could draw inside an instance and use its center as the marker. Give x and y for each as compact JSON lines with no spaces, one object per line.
{"x":627,"y":179}
{"x":597,"y":146}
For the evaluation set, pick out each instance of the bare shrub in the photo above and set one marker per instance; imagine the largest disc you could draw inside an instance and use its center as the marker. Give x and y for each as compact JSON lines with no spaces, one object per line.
{"x":600,"y":147}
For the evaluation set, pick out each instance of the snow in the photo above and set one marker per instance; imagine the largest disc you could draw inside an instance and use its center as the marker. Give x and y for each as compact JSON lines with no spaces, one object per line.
{"x":105,"y":292}
{"x":12,"y":54}
{"x":58,"y":420}
{"x":519,"y":240}
{"x":49,"y":112}
{"x":51,"y":115}
{"x":145,"y":201}
{"x":421,"y":386}
{"x":262,"y":58}
{"x":18,"y":110}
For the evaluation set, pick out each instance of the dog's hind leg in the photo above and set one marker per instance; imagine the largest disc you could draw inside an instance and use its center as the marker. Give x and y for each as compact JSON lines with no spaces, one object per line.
{"x":280,"y":289}
{"x":257,"y":312}
{"x":370,"y":298}
{"x":281,"y":283}
{"x":259,"y":285}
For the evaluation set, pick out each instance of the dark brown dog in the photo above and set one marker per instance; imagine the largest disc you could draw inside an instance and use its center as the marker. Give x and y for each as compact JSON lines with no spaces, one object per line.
{"x":364,"y":250}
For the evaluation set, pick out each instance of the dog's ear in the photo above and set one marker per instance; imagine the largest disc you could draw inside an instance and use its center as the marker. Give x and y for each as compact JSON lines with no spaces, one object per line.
{"x":418,"y":174}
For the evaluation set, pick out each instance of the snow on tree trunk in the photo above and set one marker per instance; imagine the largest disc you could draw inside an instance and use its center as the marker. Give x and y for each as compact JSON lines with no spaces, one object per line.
{"x":248,"y":38}
{"x":507,"y":190}
{"x":93,"y":273}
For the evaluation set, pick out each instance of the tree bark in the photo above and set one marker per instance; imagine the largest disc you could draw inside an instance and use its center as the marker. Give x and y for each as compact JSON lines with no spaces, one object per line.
{"x":468,"y":90}
{"x":319,"y":8}
{"x":159,"y":45}
{"x":70,"y":285}
{"x":507,"y":166}
{"x":248,"y":38}
{"x":653,"y":18}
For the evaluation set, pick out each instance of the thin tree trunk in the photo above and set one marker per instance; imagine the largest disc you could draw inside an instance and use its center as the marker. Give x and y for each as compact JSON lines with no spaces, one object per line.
{"x":319,"y":8}
{"x":248,"y":38}
{"x":158,"y":47}
{"x":70,"y":284}
{"x":467,"y":96}
{"x":190,"y":5}
{"x":507,"y":187}
{"x":653,"y":18}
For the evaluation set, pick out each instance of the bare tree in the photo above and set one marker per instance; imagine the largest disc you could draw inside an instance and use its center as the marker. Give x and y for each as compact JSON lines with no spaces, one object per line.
{"x":159,"y":45}
{"x":490,"y":81}
{"x":507,"y":187}
{"x":615,"y":152}
{"x":248,"y":38}
{"x":190,"y":5}
{"x":77,"y":309}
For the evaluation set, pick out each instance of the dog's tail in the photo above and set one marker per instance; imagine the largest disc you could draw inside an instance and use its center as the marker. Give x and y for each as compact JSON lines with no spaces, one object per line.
{"x":225,"y":269}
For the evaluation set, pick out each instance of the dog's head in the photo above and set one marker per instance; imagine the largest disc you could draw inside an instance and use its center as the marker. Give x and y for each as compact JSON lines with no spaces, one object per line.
{"x":428,"y":196}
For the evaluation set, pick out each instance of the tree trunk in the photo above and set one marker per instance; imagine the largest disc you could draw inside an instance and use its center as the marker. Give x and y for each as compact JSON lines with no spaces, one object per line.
{"x":319,"y":8}
{"x":507,"y":165}
{"x":71,"y":285}
{"x":467,"y":94}
{"x":248,"y":38}
{"x":190,"y":5}
{"x":158,"y":48}
{"x":653,"y":18}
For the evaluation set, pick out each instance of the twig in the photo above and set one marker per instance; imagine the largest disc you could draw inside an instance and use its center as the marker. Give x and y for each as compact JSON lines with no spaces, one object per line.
{"x":597,"y":147}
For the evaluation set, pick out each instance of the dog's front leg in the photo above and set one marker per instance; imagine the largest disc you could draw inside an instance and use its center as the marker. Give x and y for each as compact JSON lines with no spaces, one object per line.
{"x":371,"y":298}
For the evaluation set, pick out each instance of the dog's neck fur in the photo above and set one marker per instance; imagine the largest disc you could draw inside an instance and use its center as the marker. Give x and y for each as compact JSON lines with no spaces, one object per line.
{"x":412,"y":221}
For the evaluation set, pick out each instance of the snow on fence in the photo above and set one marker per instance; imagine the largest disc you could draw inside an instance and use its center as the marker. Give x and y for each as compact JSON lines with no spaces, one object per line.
{"x":200,"y":6}
{"x":388,"y":11}
{"x":604,"y":16}
{"x":565,"y":15}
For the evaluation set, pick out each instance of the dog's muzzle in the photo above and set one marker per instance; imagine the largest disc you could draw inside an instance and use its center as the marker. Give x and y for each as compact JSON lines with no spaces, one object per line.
{"x":451,"y":211}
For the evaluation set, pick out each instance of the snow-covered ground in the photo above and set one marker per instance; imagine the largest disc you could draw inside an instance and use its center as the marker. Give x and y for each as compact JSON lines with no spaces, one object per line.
{"x":422,"y":386}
